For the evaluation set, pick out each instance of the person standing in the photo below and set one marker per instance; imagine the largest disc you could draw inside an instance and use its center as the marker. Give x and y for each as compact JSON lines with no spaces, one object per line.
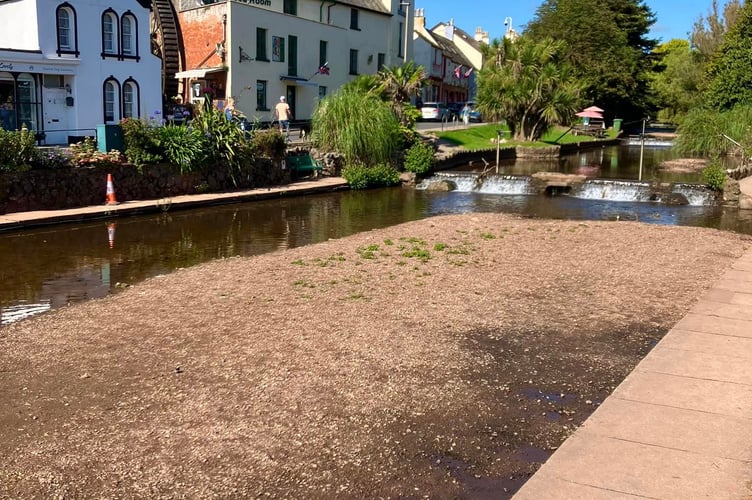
{"x":7,"y":115}
{"x":230,"y":109}
{"x":284,"y":115}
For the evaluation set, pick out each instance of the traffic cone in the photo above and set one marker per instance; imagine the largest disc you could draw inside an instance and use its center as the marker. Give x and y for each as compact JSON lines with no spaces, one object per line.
{"x":110,"y":198}
{"x":111,"y":234}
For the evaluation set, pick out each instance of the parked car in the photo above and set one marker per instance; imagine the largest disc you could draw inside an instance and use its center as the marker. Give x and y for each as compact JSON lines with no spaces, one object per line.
{"x":475,"y":115}
{"x":434,"y":111}
{"x":454,"y":109}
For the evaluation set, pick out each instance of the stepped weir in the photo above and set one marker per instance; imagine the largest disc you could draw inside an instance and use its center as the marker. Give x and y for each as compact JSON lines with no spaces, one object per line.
{"x":574,"y":185}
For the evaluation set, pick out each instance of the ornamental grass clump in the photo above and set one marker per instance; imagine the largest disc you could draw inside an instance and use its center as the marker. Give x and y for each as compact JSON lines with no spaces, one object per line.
{"x":359,"y":126}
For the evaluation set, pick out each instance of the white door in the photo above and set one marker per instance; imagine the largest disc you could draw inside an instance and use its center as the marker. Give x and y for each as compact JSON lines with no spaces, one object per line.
{"x":56,"y":117}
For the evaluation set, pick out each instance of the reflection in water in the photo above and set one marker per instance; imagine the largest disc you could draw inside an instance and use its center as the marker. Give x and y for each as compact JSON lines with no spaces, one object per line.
{"x":53,"y":267}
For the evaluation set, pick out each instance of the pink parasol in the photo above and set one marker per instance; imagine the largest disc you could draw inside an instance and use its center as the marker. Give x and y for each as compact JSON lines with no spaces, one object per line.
{"x":589,"y":114}
{"x":594,"y":108}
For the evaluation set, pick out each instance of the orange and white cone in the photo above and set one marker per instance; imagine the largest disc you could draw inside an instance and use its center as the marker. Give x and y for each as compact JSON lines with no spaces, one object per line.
{"x":111,"y":234}
{"x":110,"y":197}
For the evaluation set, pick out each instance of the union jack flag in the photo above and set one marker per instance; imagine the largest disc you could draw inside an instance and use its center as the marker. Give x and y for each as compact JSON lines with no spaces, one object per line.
{"x":457,"y":71}
{"x":468,"y":72}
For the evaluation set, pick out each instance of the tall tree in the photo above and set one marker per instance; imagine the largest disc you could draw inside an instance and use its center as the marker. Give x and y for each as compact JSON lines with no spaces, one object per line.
{"x":730,"y":71}
{"x":607,"y":43}
{"x":677,"y":79}
{"x":708,"y":31}
{"x":527,"y":84}
{"x":400,"y":83}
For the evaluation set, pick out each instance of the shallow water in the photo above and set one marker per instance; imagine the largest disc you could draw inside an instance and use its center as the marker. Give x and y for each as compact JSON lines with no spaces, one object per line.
{"x":52,"y":267}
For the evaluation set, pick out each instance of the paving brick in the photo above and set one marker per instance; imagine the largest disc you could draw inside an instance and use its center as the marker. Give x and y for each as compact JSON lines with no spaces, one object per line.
{"x":710,"y":396}
{"x":713,"y":324}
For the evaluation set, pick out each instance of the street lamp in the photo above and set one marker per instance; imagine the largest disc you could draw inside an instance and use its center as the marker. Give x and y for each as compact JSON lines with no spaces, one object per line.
{"x":407,"y":22}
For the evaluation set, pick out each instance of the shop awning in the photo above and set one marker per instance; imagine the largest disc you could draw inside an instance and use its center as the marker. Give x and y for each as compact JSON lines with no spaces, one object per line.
{"x":197,"y":73}
{"x":298,"y":81}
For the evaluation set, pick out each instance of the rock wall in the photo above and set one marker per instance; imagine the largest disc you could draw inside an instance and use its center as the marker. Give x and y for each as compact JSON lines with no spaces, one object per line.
{"x":86,"y":186}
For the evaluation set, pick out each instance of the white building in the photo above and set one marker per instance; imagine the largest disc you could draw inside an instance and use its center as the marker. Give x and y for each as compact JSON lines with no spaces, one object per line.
{"x":67,"y":66}
{"x":259,"y":50}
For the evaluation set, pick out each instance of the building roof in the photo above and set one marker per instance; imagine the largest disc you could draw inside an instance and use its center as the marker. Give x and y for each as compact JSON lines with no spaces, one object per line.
{"x":373,"y":5}
{"x":450,"y":49}
{"x":439,"y":29}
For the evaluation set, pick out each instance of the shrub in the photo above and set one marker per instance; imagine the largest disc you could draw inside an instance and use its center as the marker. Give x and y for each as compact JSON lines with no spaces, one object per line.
{"x":362,"y":177}
{"x":86,"y":153}
{"x":16,"y":150}
{"x":228,"y":145}
{"x":183,"y":147}
{"x":269,"y":143}
{"x":142,"y":142}
{"x":714,"y":176}
{"x":419,"y":158}
{"x":50,"y":158}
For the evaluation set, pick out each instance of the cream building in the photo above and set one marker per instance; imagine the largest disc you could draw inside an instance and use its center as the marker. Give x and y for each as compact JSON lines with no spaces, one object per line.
{"x":258,"y":50}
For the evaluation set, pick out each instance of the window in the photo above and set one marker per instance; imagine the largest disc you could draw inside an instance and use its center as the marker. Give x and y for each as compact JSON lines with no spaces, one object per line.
{"x":292,"y":56}
{"x":130,"y":99}
{"x":400,"y":41}
{"x":111,"y":90}
{"x":67,"y":34}
{"x":261,"y":95}
{"x":129,"y":35}
{"x":322,"y":91}
{"x":261,"y":45}
{"x":109,"y":33}
{"x":353,"y":62}
{"x":354,"y":19}
{"x":290,"y":7}
{"x":380,"y":60}
{"x":323,"y":58}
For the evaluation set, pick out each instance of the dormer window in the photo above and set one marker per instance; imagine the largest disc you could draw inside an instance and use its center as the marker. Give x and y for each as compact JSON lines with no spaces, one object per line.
{"x":67,"y":34}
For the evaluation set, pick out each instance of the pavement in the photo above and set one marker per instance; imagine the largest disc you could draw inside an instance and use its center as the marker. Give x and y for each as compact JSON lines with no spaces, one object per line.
{"x":678,"y":427}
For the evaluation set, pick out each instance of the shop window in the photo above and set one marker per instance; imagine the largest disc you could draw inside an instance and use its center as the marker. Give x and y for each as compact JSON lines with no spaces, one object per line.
{"x":67,"y":32}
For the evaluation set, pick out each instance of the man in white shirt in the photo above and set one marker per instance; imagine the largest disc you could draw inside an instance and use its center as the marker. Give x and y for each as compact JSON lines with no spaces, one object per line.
{"x":284,"y":115}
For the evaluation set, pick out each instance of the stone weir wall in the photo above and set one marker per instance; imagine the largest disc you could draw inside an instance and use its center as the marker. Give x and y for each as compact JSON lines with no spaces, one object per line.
{"x":86,"y":186}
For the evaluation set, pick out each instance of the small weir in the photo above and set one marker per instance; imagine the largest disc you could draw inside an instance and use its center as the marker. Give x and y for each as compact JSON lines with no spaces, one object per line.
{"x":576,"y":186}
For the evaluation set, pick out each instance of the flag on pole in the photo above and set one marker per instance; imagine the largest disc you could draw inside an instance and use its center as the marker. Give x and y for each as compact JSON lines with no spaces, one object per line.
{"x":457,"y":71}
{"x":469,"y":72}
{"x":324,"y":69}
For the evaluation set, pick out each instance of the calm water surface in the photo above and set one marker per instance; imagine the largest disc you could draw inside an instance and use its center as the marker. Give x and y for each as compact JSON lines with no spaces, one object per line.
{"x":56,"y":266}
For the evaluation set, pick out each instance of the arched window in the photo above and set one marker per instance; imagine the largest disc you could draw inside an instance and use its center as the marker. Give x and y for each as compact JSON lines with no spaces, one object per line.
{"x":109,"y":33}
{"x":67,"y":30}
{"x":131,"y":99}
{"x":111,"y":100}
{"x":129,"y":35}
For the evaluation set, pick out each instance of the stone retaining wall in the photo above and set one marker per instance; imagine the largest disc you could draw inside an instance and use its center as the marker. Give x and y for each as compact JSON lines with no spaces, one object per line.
{"x":85,"y":186}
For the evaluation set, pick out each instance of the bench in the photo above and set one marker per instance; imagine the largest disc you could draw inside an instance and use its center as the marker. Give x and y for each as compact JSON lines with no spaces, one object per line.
{"x":592,"y":130}
{"x":303,"y":165}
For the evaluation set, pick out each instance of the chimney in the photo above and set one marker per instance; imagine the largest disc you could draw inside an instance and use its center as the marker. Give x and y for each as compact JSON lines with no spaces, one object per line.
{"x":420,"y":18}
{"x":482,"y":36}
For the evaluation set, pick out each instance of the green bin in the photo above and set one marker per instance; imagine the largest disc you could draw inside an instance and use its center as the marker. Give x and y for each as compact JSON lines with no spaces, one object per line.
{"x":109,"y":137}
{"x":617,"y":124}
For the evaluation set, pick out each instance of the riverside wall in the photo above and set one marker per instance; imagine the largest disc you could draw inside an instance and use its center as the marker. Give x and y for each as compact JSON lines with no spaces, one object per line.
{"x":86,"y":186}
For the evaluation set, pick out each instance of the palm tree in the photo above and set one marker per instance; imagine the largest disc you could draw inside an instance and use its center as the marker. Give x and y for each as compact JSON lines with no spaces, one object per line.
{"x":400,"y":83}
{"x":527,"y":84}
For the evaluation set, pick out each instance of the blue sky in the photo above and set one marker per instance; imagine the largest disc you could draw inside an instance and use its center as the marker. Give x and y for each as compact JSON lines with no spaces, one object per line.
{"x":674,"y":17}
